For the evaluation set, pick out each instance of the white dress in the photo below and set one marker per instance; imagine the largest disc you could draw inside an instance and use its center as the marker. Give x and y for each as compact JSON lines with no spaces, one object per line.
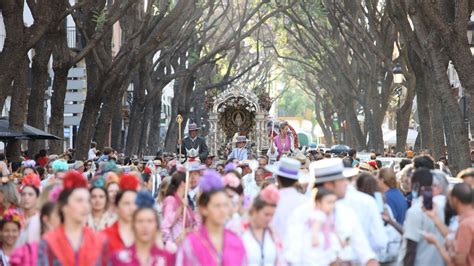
{"x":301,"y":250}
{"x":254,"y":249}
{"x":31,"y":232}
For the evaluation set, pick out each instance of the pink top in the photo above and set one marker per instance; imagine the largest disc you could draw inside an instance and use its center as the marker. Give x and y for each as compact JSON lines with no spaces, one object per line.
{"x":172,"y":224}
{"x":128,"y":257}
{"x":26,"y":255}
{"x":282,"y":147}
{"x":197,"y":249}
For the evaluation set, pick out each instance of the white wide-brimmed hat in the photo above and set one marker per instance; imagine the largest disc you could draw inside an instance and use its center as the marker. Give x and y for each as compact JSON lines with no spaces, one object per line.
{"x":286,"y":167}
{"x":331,"y":169}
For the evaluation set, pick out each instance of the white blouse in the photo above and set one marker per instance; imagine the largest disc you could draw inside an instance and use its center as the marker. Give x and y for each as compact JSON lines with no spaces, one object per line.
{"x":254,"y":249}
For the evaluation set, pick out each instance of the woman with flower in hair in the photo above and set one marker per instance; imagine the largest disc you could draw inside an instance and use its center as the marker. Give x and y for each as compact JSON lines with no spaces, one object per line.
{"x":145,"y":226}
{"x":173,"y":208}
{"x":10,"y":227}
{"x":27,"y":254}
{"x":261,"y":243}
{"x":99,"y":218}
{"x":212,"y":244}
{"x":120,"y":234}
{"x":73,"y":243}
{"x":29,"y":193}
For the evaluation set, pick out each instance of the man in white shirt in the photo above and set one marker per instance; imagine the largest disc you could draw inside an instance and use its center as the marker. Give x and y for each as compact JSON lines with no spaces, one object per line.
{"x":369,"y":217}
{"x":92,"y":151}
{"x":287,"y":173}
{"x":333,"y":176}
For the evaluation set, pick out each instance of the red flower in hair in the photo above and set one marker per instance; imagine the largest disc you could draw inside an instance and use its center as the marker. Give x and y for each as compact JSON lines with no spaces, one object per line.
{"x":31,"y":179}
{"x":147,"y":170}
{"x":74,"y":179}
{"x":373,"y":164}
{"x":128,"y":182}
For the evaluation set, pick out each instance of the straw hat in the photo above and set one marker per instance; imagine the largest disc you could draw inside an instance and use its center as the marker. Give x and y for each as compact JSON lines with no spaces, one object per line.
{"x":286,"y":167}
{"x":331,"y":169}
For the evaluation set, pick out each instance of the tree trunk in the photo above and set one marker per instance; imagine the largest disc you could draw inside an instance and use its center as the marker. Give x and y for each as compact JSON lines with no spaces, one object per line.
{"x":436,"y":130}
{"x":403,"y":123}
{"x":354,"y":126}
{"x":172,"y":134}
{"x":456,"y":133}
{"x":13,"y":48}
{"x":434,"y":46}
{"x":146,"y":124}
{"x":56,"y":125}
{"x":18,"y":108}
{"x":403,"y":119}
{"x":91,"y":109}
{"x":322,"y":124}
{"x":107,"y":111}
{"x":35,"y":118}
{"x":375,"y":141}
{"x":136,"y":116}
{"x":463,"y":60}
{"x":183,"y":89}
{"x":200,"y":113}
{"x":423,"y":82}
{"x":374,"y":110}
{"x":116,"y":128}
{"x":61,"y":66}
{"x":155,"y":126}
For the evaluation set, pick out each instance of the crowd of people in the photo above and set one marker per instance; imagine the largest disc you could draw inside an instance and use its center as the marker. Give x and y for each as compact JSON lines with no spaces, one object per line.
{"x":292,"y":207}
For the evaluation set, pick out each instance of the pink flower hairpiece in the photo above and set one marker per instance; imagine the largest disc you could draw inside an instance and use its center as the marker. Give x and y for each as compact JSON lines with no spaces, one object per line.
{"x":13,"y":215}
{"x":210,"y":181}
{"x":54,"y":193}
{"x":231,"y":180}
{"x":270,"y":194}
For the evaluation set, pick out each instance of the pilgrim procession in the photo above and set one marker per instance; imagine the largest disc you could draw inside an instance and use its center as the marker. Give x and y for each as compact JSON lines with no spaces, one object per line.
{"x":235,"y":133}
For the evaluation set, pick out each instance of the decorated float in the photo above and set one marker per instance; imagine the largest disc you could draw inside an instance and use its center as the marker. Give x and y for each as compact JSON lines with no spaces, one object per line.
{"x":239,"y":111}
{"x":234,"y":112}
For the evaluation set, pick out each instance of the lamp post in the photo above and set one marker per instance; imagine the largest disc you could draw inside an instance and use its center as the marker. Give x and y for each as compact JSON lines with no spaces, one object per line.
{"x":398,"y":79}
